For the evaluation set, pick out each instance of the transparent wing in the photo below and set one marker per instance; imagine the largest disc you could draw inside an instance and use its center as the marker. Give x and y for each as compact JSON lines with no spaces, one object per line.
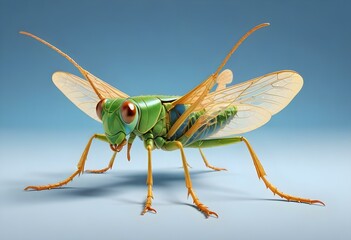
{"x":271,"y":92}
{"x":197,"y":95}
{"x":248,"y":118}
{"x":78,"y":91}
{"x":105,"y":89}
{"x":192,"y":98}
{"x":223,"y":79}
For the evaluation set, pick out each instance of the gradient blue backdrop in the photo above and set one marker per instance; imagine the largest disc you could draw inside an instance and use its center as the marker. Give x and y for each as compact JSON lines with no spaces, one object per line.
{"x":168,"y":47}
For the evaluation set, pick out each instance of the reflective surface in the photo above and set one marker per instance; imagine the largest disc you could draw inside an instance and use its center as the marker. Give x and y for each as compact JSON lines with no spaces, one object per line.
{"x":109,"y":204}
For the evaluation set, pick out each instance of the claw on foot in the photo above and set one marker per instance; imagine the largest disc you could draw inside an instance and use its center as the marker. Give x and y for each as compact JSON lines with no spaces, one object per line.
{"x":148,"y":209}
{"x":207,"y":211}
{"x":317,"y":201}
{"x":308,"y":202}
{"x":31,"y":188}
{"x":38,"y":188}
{"x":202,"y":207}
{"x":217,"y":169}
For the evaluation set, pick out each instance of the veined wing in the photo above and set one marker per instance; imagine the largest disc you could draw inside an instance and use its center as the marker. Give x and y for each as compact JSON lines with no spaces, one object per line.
{"x":247,"y":118}
{"x":192,"y":98}
{"x":271,"y":92}
{"x":105,"y":89}
{"x":197,"y":95}
{"x":80,"y":92}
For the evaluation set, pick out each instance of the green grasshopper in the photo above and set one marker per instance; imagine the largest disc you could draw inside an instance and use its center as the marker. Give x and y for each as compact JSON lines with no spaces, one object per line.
{"x":200,"y":119}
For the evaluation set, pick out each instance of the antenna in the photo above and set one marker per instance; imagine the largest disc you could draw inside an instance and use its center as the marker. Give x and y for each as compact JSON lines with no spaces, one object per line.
{"x":238,"y":44}
{"x":82,"y":70}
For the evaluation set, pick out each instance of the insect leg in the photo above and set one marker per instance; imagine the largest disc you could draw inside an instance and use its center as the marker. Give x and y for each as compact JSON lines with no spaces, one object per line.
{"x":209,"y":165}
{"x":80,"y":166}
{"x":149,"y":183}
{"x":178,"y":145}
{"x":258,"y":166}
{"x":262,"y":175}
{"x":130,"y":142}
{"x":109,"y":166}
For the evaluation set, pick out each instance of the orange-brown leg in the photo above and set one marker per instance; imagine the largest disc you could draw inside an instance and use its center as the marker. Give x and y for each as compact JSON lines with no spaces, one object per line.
{"x":149,"y":183}
{"x":203,"y":208}
{"x":262,"y":175}
{"x":80,"y":167}
{"x":110,"y":165}
{"x":209,"y":165}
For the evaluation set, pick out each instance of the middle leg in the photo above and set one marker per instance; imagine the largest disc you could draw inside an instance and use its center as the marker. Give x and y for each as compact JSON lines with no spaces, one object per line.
{"x":203,"y":208}
{"x":209,"y":165}
{"x":149,"y":183}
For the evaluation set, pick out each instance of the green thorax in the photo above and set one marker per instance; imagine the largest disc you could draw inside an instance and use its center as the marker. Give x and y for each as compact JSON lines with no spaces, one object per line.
{"x":152,"y":114}
{"x":151,"y":117}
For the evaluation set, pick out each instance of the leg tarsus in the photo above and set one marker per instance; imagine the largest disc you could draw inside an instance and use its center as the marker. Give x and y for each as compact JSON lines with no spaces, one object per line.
{"x":148,"y":209}
{"x":98,"y":171}
{"x":188,"y":183}
{"x":203,"y":208}
{"x":55,"y":185}
{"x":262,"y":175}
{"x":148,"y":202}
{"x":288,"y":197}
{"x":209,"y":165}
{"x":149,"y":183}
{"x":103,"y":170}
{"x":80,"y":167}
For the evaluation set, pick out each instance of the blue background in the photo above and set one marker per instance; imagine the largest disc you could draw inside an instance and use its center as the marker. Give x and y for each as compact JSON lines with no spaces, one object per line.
{"x":168,"y":47}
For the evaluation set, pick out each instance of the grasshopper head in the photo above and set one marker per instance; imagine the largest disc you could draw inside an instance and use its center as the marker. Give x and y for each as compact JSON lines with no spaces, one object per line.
{"x":119,"y":118}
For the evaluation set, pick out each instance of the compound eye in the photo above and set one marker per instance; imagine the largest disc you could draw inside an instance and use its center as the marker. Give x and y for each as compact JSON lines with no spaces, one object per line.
{"x":99,"y":108}
{"x":128,"y":112}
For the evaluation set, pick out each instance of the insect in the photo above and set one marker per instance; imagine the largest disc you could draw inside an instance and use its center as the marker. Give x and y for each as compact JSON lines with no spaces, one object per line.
{"x":204,"y":117}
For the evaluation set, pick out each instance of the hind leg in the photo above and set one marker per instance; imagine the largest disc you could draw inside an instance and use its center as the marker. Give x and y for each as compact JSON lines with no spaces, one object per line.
{"x":262,"y":175}
{"x":258,"y":166}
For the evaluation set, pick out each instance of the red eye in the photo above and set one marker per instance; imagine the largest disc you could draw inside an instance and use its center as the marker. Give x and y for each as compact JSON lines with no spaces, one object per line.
{"x":128,"y":111}
{"x":99,"y":108}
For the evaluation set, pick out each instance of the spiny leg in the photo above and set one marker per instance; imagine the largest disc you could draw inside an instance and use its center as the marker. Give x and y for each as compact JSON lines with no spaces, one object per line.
{"x":80,"y":167}
{"x":149,"y":183}
{"x":262,"y":175}
{"x":209,"y":165}
{"x":259,"y":168}
{"x":203,"y":208}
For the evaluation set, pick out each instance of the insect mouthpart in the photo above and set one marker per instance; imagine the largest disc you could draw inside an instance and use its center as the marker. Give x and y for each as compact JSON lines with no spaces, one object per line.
{"x":118,"y":147}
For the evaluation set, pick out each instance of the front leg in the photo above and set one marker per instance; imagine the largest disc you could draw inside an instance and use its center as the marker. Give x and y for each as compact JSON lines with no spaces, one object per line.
{"x":130,"y":142}
{"x":80,"y":166}
{"x":149,"y":181}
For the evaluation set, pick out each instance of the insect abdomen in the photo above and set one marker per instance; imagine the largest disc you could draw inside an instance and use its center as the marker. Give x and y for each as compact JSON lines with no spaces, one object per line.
{"x":213,"y":126}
